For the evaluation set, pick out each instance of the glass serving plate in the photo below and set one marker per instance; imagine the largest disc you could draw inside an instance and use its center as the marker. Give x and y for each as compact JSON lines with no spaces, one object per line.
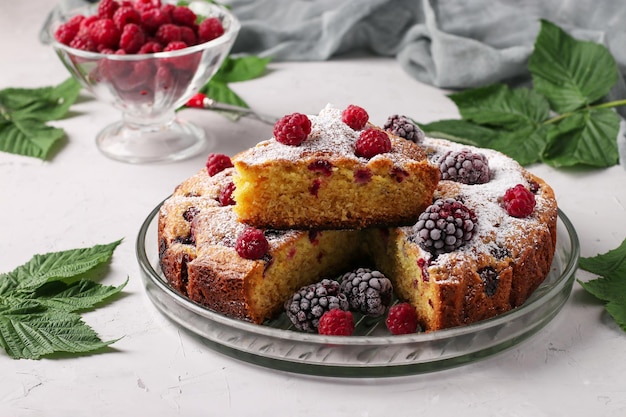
{"x":373,"y":352}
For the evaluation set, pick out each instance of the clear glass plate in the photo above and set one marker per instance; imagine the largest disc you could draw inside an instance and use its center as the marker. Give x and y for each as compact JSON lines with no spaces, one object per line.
{"x":373,"y":353}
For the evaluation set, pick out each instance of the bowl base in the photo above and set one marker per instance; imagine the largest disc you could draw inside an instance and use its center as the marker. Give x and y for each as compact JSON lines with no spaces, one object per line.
{"x":173,"y":141}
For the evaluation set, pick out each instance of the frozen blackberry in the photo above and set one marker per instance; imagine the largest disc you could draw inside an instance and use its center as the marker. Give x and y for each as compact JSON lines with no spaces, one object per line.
{"x":464,"y":166}
{"x":404,"y":127}
{"x":445,"y":226}
{"x":307,"y":305}
{"x":369,"y":292}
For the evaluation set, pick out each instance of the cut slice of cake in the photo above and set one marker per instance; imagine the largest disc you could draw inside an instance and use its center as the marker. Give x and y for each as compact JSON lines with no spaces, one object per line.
{"x":332,"y":176}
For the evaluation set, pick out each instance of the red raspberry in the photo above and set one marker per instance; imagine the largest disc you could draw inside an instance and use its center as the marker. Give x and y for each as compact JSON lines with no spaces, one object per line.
{"x":104,"y":33}
{"x":292,"y":129}
{"x":226,"y":195}
{"x":184,"y":16}
{"x":174,"y":46}
{"x":84,"y":42}
{"x":106,"y":8}
{"x":68,"y":30}
{"x":142,"y":5}
{"x":252,"y":244}
{"x":217,"y":162}
{"x":164,"y":78}
{"x":132,"y":38}
{"x":152,"y":19}
{"x":167,"y":33}
{"x":125,"y":15}
{"x":150,"y":47}
{"x":519,"y":201}
{"x":86,"y":23}
{"x":372,"y":142}
{"x":336,"y":322}
{"x":196,"y":101}
{"x":354,"y":116}
{"x":401,"y":319}
{"x":188,"y":36}
{"x":210,"y":29}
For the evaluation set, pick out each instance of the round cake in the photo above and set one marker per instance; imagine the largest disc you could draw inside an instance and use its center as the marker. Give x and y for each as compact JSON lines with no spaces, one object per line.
{"x":481,"y":247}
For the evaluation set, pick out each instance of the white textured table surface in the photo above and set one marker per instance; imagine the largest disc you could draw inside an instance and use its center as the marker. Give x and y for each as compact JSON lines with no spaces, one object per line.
{"x":575,"y":366}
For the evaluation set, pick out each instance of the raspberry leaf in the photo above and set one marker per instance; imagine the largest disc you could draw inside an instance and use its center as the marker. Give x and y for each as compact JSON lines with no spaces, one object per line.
{"x":39,"y":301}
{"x":611,"y":286}
{"x":24,"y":113}
{"x":570,"y":73}
{"x":498,"y":105}
{"x":588,"y":138}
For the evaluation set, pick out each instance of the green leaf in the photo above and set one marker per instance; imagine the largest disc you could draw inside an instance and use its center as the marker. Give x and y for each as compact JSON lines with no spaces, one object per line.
{"x":585,"y":138}
{"x":498,"y":105}
{"x":221,"y":92}
{"x":241,"y":69}
{"x":611,"y":286}
{"x":38,"y":301}
{"x":610,"y":263}
{"x":24,"y":112}
{"x":31,"y":336}
{"x":570,"y":73}
{"x":58,"y":265}
{"x":524,"y":144}
{"x":460,"y":131}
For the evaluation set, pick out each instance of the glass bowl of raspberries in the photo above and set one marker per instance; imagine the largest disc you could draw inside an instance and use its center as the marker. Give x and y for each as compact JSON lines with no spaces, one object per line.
{"x":145,"y":58}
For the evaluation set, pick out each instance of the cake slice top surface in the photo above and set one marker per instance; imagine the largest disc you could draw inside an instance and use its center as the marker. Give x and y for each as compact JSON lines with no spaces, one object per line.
{"x":329,"y":136}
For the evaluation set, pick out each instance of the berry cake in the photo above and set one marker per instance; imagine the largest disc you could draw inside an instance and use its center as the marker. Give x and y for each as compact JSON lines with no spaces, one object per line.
{"x":332,"y":171}
{"x":480,"y":246}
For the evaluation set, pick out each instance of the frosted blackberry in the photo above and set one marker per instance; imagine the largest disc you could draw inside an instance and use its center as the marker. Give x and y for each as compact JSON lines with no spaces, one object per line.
{"x":404,"y":127}
{"x":445,"y":226}
{"x":369,"y":292}
{"x":464,"y":166}
{"x":307,"y":305}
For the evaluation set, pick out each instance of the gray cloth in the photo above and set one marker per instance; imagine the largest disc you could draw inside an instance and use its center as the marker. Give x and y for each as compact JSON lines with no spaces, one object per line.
{"x":447,"y":43}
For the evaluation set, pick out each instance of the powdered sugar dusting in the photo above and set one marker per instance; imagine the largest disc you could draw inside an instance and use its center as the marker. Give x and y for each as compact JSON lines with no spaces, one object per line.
{"x":329,"y":135}
{"x":496,"y":228}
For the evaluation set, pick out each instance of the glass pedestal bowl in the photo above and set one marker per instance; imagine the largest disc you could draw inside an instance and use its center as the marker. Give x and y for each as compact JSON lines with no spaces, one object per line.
{"x":147,"y":88}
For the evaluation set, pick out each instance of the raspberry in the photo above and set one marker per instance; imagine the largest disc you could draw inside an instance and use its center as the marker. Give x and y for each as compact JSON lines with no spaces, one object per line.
{"x":402,"y":319}
{"x":369,"y":292}
{"x":183,"y":16}
{"x":404,"y":127}
{"x":217,"y":162}
{"x":354,"y":116}
{"x":84,"y":42}
{"x":196,"y":101}
{"x":125,"y":15}
{"x":226,"y":195}
{"x":306,"y":306}
{"x":150,"y":47}
{"x":465,"y":167}
{"x":106,"y":8}
{"x":142,"y":5}
{"x":188,"y":36}
{"x":445,"y":226}
{"x":292,"y":129}
{"x":519,"y":201}
{"x":104,"y":33}
{"x":210,"y":29}
{"x":336,"y":322}
{"x":152,"y":19}
{"x":66,"y":32}
{"x":168,"y":33}
{"x":372,"y":142}
{"x":252,"y":244}
{"x":132,"y":38}
{"x":174,"y":46}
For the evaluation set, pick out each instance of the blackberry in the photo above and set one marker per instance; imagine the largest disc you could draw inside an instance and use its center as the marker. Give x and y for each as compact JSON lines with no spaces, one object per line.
{"x":445,"y":226}
{"x":464,"y":166}
{"x":306,"y":306}
{"x":369,"y":292}
{"x":404,"y":127}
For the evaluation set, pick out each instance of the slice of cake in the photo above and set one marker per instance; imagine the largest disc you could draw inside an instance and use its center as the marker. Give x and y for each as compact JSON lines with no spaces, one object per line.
{"x":332,"y":171}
